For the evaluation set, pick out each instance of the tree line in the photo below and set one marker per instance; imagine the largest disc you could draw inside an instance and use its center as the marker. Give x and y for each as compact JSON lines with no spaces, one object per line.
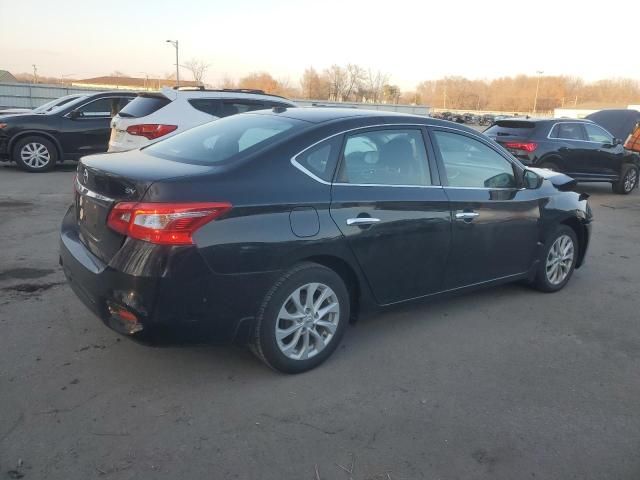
{"x":353,"y":83}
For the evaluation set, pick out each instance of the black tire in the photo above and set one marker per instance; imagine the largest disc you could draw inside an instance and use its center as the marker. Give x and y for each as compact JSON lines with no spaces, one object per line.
{"x":542,"y":281}
{"x":44,"y":154}
{"x":264,"y":343}
{"x":628,"y":180}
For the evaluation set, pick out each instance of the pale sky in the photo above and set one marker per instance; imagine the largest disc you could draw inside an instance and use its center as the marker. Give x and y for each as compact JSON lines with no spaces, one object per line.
{"x":411,"y":40}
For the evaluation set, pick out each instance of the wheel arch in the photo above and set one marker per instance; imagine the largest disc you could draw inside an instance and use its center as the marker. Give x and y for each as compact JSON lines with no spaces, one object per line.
{"x":348,"y":275}
{"x":581,"y":234}
{"x":35,"y":133}
{"x":551,"y":157}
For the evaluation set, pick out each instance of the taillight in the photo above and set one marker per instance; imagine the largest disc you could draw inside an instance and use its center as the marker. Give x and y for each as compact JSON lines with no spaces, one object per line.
{"x":526,"y":146}
{"x":150,"y":130}
{"x":163,"y":223}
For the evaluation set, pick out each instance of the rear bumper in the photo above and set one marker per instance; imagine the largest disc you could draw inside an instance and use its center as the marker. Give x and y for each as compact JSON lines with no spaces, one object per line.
{"x":161,"y":290}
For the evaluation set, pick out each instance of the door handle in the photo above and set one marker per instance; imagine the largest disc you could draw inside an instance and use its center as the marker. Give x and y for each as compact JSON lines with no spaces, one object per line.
{"x":359,"y":221}
{"x":466,"y":216}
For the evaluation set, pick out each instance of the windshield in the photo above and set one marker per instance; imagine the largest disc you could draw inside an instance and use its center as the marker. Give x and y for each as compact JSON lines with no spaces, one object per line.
{"x":58,"y":104}
{"x":220,"y":140}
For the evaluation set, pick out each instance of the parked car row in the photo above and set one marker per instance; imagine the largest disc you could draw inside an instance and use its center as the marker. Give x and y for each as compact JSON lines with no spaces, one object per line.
{"x":78,"y":125}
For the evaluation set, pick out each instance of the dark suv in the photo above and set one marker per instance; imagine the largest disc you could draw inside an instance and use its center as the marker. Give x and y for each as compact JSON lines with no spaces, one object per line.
{"x":37,"y":141}
{"x":580,"y":148}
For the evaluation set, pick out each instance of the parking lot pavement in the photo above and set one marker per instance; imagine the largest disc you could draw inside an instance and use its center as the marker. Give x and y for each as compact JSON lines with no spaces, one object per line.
{"x":505,"y":383}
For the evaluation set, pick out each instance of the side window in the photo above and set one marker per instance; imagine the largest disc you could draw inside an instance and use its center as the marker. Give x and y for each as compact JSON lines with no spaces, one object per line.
{"x":321,"y":159}
{"x":567,"y":131}
{"x":385,"y":157}
{"x":210,"y":106}
{"x":597,"y":134}
{"x":102,"y":107}
{"x":471,"y":163}
{"x":238,"y":106}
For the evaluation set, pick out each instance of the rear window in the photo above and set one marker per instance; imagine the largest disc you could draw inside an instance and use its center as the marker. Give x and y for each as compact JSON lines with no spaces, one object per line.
{"x":224,"y":139}
{"x":144,"y":105}
{"x":511,"y":128}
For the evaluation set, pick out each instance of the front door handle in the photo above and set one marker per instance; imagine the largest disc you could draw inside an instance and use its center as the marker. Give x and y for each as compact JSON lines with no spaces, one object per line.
{"x":359,"y":221}
{"x":466,"y":216}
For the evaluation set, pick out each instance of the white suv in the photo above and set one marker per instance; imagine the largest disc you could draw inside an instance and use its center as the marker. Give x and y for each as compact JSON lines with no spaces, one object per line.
{"x":157,"y":115}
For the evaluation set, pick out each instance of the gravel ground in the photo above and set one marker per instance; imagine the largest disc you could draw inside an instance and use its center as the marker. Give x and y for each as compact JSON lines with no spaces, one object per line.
{"x":506,"y":383}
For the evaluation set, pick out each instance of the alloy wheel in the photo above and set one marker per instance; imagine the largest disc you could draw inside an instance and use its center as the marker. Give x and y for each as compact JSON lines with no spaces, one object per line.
{"x":560,"y":259}
{"x":630,"y":180}
{"x":307,"y":321}
{"x":35,"y":155}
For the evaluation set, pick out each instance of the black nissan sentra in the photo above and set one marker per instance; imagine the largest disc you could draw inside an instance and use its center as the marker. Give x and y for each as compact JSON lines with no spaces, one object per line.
{"x":276,"y":228}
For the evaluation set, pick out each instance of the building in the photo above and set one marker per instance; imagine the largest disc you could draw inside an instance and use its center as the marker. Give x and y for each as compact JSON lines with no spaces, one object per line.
{"x":130,"y":83}
{"x":581,"y":111}
{"x":6,"y":77}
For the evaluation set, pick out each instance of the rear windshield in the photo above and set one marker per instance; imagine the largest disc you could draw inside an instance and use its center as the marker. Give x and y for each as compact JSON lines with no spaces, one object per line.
{"x":144,"y":105}
{"x":511,"y":128}
{"x":220,"y":140}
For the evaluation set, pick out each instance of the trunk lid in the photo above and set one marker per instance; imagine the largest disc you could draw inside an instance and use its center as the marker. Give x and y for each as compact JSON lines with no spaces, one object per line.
{"x":106,"y":179}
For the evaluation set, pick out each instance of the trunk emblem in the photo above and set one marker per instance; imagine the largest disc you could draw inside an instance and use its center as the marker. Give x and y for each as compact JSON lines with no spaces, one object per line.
{"x":129,"y":191}
{"x":85,"y":175}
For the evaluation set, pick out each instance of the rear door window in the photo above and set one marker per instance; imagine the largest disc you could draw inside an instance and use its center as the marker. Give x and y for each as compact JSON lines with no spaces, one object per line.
{"x":233,"y":107}
{"x":385,"y":157}
{"x":567,"y":131}
{"x":210,"y":106}
{"x":144,"y":105}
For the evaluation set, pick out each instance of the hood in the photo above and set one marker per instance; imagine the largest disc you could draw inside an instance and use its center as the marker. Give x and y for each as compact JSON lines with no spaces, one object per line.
{"x":559,"y":180}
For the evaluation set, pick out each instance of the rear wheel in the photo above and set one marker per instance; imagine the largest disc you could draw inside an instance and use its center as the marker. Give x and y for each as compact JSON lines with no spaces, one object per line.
{"x":549,"y":166}
{"x":558,"y":261}
{"x":35,"y":154}
{"x":628,"y":180}
{"x":302,"y":319}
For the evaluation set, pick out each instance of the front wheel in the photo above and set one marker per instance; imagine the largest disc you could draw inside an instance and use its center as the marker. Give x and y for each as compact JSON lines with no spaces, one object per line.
{"x":559,"y":260}
{"x":35,"y":154}
{"x":302,"y":319}
{"x":628,"y":180}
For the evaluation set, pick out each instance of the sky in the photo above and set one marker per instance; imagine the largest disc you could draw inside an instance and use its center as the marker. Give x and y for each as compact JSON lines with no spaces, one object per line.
{"x":410,"y":40}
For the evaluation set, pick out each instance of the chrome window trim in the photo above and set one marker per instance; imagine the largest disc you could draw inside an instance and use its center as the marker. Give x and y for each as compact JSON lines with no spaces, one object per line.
{"x":90,"y":193}
{"x":576,"y":140}
{"x":66,"y":115}
{"x":303,"y":169}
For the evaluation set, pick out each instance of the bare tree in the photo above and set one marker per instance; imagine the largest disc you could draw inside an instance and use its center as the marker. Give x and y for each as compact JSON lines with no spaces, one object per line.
{"x":355,"y":76}
{"x":374,"y":83}
{"x":337,"y":78}
{"x":197,"y":68}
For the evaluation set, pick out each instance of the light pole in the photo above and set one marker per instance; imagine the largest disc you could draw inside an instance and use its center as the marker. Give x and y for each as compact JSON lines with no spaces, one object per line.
{"x":535,"y":100}
{"x":175,"y":45}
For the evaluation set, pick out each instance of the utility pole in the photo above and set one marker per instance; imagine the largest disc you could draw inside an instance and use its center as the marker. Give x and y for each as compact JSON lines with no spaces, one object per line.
{"x":175,"y":45}
{"x":35,"y":73}
{"x":535,"y":100}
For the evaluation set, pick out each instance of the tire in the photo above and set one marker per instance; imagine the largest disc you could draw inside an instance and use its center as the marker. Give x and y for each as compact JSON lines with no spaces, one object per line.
{"x":35,"y":154}
{"x":296,"y":326}
{"x":628,"y":180}
{"x":550,"y":166}
{"x":548,"y":278}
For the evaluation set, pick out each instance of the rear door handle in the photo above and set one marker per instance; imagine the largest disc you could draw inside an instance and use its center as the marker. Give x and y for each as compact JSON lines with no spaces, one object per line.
{"x":468,"y":216}
{"x":359,"y":221}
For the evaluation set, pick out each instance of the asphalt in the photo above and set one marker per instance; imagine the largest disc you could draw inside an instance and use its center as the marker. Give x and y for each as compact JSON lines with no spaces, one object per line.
{"x":506,"y":383}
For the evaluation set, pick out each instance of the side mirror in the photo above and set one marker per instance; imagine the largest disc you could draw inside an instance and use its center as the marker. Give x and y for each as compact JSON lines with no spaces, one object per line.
{"x":617,"y":141}
{"x":73,"y":114}
{"x":531,"y":180}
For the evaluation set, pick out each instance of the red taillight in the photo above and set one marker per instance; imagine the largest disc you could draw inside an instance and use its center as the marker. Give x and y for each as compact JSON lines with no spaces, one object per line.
{"x":163,"y":223}
{"x":526,"y":146}
{"x":150,"y":130}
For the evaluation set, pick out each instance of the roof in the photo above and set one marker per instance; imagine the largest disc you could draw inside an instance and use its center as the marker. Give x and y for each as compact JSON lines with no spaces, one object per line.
{"x":5,"y":76}
{"x":322,"y":114}
{"x":135,"y":82}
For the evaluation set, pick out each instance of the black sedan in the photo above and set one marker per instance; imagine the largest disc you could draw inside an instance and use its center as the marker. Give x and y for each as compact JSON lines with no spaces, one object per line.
{"x":37,"y":141}
{"x":278,"y":227}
